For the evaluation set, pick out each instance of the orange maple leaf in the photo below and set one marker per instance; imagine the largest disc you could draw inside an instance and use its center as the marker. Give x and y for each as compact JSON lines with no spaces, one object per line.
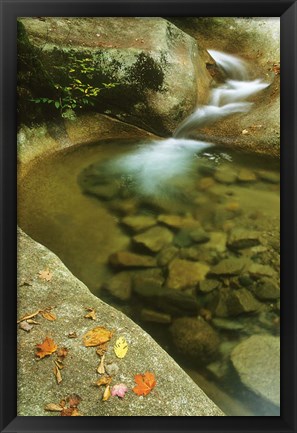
{"x":145,"y":383}
{"x":46,"y":348}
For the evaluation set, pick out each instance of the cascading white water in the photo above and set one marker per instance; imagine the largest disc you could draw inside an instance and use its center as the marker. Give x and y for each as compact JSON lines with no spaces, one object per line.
{"x":154,"y":164}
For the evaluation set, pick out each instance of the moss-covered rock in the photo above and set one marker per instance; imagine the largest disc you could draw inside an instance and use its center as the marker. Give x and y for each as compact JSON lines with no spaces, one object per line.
{"x":158,"y":69}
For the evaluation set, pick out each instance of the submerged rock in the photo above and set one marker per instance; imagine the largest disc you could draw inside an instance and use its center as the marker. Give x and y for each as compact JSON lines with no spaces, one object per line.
{"x":178,"y":222}
{"x":269,"y":176}
{"x":154,"y":316}
{"x":245,"y":175}
{"x":125,"y":259}
{"x":166,"y":255}
{"x":257,"y":361}
{"x":242,"y":238}
{"x":119,"y":286}
{"x":184,"y":274}
{"x":155,"y":238}
{"x":138,"y":222}
{"x":266,"y":288}
{"x":177,"y":303}
{"x":231,"y":266}
{"x":208,"y":285}
{"x":225,"y":175}
{"x":242,"y":301}
{"x":195,"y":339}
{"x":258,"y":270}
{"x":148,"y":282}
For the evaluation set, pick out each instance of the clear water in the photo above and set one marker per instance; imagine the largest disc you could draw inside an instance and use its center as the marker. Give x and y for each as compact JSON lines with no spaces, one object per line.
{"x":84,"y":229}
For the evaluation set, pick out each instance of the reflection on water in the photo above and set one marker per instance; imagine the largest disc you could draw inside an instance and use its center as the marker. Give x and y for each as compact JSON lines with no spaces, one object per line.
{"x":202,"y":243}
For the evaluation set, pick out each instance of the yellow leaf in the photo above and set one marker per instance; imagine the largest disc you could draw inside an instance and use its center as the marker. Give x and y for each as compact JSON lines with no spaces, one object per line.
{"x":97,"y":336}
{"x":52,"y":407}
{"x":120,"y":347}
{"x":101,"y":368}
{"x":91,"y":314}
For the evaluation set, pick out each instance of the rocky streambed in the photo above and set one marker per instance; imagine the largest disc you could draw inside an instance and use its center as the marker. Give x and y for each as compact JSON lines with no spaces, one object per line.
{"x":198,"y":266}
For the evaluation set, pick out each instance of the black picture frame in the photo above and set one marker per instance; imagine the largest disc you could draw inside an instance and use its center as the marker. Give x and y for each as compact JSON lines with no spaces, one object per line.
{"x":287,"y":11}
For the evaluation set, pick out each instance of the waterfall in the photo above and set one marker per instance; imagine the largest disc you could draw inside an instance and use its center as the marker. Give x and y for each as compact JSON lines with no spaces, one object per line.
{"x":153,"y":165}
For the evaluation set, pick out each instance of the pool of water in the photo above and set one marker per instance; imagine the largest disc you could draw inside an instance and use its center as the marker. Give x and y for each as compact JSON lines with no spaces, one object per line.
{"x":223,"y":205}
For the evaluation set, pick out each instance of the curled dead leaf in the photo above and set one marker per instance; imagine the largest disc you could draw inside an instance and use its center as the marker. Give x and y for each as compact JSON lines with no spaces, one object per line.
{"x":91,"y":314}
{"x":74,"y":400}
{"x":48,"y":315}
{"x":72,"y":335}
{"x":97,"y":336}
{"x":104,"y":380}
{"x":58,"y":375}
{"x":106,"y":394}
{"x":101,"y":368}
{"x":28,"y":316}
{"x":70,"y":411}
{"x":52,"y":407}
{"x":62,"y":352}
{"x":45,"y":275}
{"x":46,"y":348}
{"x":101,"y":349}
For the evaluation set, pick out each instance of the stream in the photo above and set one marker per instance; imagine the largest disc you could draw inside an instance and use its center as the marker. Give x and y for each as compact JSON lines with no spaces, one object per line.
{"x":132,"y":218}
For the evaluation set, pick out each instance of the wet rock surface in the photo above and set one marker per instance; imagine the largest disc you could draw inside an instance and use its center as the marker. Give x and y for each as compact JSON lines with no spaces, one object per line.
{"x":177,"y":394}
{"x":154,"y":239}
{"x":252,"y":357}
{"x":184,"y":274}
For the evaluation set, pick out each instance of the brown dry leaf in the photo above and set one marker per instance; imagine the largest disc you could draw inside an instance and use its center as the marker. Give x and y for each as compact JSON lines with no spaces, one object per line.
{"x":58,"y":375}
{"x":62,"y":403}
{"x":62,"y":352}
{"x":48,"y":315}
{"x":107,"y":393}
{"x":25,"y":326}
{"x":46,"y":348}
{"x":74,"y":400}
{"x":101,"y":368}
{"x":59,"y":364}
{"x":102,"y":349}
{"x":91,"y":314}
{"x":28,"y":316}
{"x":97,"y":336}
{"x":45,"y":275}
{"x":72,"y":335}
{"x":104,"y":380}
{"x":67,"y":411}
{"x":75,"y":412}
{"x":52,"y":407}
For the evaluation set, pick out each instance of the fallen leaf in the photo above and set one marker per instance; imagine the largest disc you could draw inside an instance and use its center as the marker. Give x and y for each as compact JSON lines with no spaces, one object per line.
{"x":97,"y":336}
{"x":119,"y":390}
{"x":62,"y":403}
{"x":72,"y":335}
{"x":58,"y":375}
{"x":45,"y":275}
{"x":107,"y":393}
{"x":121,"y":347}
{"x":33,"y":322}
{"x":25,"y":326}
{"x":46,"y":348}
{"x":74,"y":400}
{"x":91,"y":314}
{"x":75,"y":412}
{"x":48,"y":315}
{"x":104,"y":380}
{"x":244,"y":131}
{"x":101,"y":349}
{"x":145,"y":383}
{"x":62,"y":352}
{"x":52,"y":407}
{"x":68,"y":411}
{"x":101,"y":368}
{"x":59,"y":364}
{"x":28,"y":316}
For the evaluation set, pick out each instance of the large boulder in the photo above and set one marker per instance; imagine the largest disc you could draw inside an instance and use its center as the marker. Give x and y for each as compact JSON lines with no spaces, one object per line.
{"x":257,"y":361}
{"x":161,"y":75}
{"x":44,"y":281}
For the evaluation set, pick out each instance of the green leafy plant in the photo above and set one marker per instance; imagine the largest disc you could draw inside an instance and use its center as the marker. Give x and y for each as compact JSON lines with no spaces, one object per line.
{"x":78,"y":92}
